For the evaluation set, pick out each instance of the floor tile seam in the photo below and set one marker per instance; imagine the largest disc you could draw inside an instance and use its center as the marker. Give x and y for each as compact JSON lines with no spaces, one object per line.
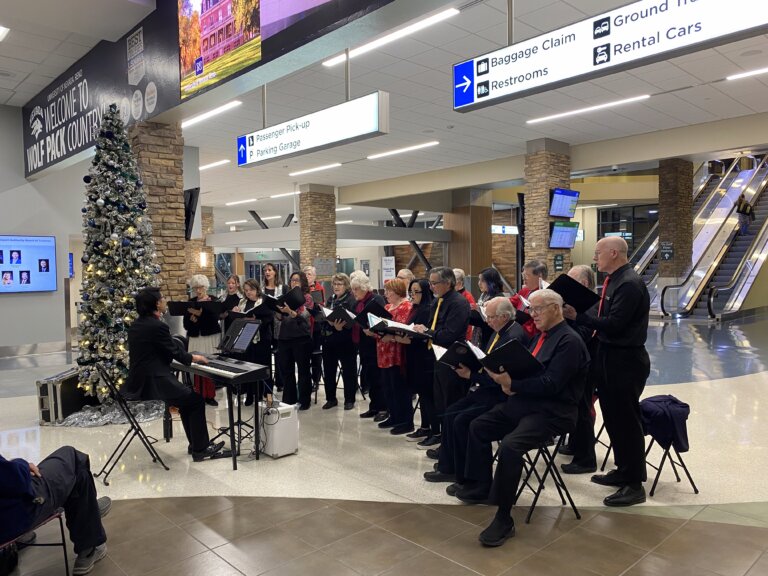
{"x":341,"y":561}
{"x":763,"y":549}
{"x":756,"y":562}
{"x":745,"y":516}
{"x":376,"y":523}
{"x":281,"y":563}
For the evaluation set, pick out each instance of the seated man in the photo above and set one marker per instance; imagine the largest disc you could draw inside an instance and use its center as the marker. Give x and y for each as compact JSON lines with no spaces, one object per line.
{"x":483,"y":395}
{"x":537,"y":407}
{"x":29,"y":494}
{"x":151,"y":349}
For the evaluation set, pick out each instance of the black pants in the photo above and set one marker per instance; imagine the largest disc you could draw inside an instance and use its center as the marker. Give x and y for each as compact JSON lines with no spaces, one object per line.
{"x":294,"y":356}
{"x":67,"y":483}
{"x":456,"y":422}
{"x":333,"y":353}
{"x":448,"y":389}
{"x":317,"y":357}
{"x":370,"y":377}
{"x":192,"y":413}
{"x":520,"y":429}
{"x":582,"y":440}
{"x":398,"y":396}
{"x":623,"y":372}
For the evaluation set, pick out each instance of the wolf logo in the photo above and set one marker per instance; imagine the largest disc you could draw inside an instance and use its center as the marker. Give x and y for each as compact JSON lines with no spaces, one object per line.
{"x":36,"y":121}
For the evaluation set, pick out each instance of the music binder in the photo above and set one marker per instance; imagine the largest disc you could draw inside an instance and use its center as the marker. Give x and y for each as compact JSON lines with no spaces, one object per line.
{"x":514,"y":358}
{"x":464,"y":353}
{"x":385,"y":326}
{"x":317,"y":296}
{"x":294,"y":299}
{"x":338,"y":313}
{"x":179,"y":308}
{"x":574,"y":293}
{"x":374,"y":308}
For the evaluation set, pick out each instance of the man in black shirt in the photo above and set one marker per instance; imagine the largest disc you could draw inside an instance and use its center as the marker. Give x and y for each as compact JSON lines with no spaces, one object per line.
{"x":538,"y":406}
{"x":449,"y":318}
{"x":621,"y":327}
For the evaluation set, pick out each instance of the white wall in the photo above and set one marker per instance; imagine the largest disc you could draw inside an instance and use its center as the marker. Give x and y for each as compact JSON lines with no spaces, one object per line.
{"x":372,"y":253}
{"x":48,"y":206}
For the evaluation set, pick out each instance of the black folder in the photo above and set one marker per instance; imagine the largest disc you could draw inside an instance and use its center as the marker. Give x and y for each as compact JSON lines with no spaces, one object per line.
{"x":384,"y":328}
{"x":521,"y":317}
{"x":317,"y":296}
{"x":460,"y":353}
{"x":374,"y":308}
{"x":514,"y":358}
{"x":262,"y":311}
{"x":294,"y":298}
{"x":476,"y":317}
{"x":574,"y":293}
{"x":340,"y":313}
{"x":179,"y":308}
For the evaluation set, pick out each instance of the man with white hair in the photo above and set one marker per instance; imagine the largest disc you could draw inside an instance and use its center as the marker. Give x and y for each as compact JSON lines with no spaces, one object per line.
{"x":620,"y":324}
{"x":538,"y":406}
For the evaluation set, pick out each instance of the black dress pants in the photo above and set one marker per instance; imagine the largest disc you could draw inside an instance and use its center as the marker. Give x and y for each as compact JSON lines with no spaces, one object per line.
{"x":333,"y":354}
{"x":294,"y":356}
{"x":370,"y":377}
{"x":623,"y":372}
{"x":192,"y":413}
{"x":317,"y":357}
{"x":398,"y":396}
{"x":448,"y":389}
{"x":67,"y":483}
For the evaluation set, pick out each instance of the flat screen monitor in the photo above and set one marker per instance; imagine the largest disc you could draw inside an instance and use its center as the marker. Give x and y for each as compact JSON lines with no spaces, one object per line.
{"x":191,"y":197}
{"x":563,"y":234}
{"x":27,"y":264}
{"x":563,"y":202}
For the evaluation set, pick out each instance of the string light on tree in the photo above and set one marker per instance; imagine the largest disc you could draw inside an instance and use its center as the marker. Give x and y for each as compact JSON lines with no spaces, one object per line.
{"x":118,"y":238}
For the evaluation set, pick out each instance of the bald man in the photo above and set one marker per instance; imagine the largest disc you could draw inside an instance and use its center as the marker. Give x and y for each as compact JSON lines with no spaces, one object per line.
{"x":620,"y":323}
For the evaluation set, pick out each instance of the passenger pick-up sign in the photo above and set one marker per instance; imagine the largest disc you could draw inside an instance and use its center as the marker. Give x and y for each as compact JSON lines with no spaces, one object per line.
{"x":637,"y":34}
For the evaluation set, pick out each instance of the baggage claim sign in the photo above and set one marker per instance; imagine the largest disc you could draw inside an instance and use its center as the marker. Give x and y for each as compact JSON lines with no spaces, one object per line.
{"x":631,"y":36}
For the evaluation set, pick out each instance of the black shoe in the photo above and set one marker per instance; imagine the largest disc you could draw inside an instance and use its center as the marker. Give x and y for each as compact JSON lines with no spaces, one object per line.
{"x":433,"y":453}
{"x":209,"y":451}
{"x":566,"y":451}
{"x":429,"y":442}
{"x":626,"y":496}
{"x":249,"y":399}
{"x":611,"y":479}
{"x":418,"y":435}
{"x":497,"y":532}
{"x":330,"y":404}
{"x":437,"y":476}
{"x":477,"y":494}
{"x":381,"y":416}
{"x":574,"y":468}
{"x":211,"y":402}
{"x":386,"y":423}
{"x":304,"y":407}
{"x":368,"y":414}
{"x":452,"y":489}
{"x":401,"y":429}
{"x":349,"y":405}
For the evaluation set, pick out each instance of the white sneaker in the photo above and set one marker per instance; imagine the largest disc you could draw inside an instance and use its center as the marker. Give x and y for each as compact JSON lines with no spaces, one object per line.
{"x":85,"y":560}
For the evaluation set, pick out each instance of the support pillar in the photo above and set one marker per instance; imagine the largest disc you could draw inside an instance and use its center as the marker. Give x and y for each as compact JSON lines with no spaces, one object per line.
{"x":470,"y":224}
{"x":199,"y":258}
{"x":547,"y":165}
{"x":317,"y":224}
{"x":675,"y":219}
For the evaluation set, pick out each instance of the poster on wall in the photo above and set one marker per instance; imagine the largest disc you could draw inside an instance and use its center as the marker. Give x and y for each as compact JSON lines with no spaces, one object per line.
{"x":222,"y":39}
{"x":139,"y":72}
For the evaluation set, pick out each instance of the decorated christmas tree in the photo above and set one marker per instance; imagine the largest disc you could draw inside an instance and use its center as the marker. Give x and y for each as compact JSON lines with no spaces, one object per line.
{"x":119,"y":255}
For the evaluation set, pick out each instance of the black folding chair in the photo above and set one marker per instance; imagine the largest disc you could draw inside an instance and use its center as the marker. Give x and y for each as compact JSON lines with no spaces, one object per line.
{"x":134,"y":432}
{"x":57,"y":515}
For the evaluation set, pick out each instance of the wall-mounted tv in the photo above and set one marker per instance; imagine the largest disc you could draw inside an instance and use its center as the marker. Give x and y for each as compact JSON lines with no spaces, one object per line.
{"x":563,"y":202}
{"x":191,"y":198}
{"x":563,"y":234}
{"x":27,"y":264}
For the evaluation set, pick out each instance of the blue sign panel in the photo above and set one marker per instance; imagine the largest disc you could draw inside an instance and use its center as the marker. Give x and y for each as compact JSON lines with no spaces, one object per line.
{"x":463,"y":83}
{"x":241,"y":151}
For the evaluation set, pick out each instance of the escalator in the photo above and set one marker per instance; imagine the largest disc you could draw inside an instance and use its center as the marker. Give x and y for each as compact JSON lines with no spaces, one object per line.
{"x":718,"y":249}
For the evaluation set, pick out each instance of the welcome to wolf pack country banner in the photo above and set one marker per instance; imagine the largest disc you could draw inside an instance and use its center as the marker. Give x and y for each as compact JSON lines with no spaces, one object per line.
{"x":140,"y":73}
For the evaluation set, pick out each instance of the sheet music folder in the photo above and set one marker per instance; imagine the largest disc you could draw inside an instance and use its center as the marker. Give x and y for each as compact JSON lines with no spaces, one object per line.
{"x":294,"y":298}
{"x":574,"y":293}
{"x":514,"y":358}
{"x":339,"y":313}
{"x":374,"y":308}
{"x":179,"y":308}
{"x":461,"y":353}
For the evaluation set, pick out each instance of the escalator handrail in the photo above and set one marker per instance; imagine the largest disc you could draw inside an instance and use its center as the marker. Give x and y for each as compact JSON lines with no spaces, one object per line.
{"x":716,"y":261}
{"x":714,"y":288}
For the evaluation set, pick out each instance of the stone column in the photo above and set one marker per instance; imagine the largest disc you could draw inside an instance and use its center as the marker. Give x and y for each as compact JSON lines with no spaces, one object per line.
{"x":547,"y":165}
{"x":675,"y":219}
{"x":159,"y":150}
{"x":317,"y":223}
{"x":194,"y":248}
{"x":470,"y":224}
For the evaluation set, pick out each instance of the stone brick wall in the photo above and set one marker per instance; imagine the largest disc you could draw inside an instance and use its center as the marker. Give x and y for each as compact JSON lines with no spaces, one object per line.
{"x":504,"y":246}
{"x":317,"y":223}
{"x":159,"y":150}
{"x":193,"y":248}
{"x":675,"y":215}
{"x":544,"y":169}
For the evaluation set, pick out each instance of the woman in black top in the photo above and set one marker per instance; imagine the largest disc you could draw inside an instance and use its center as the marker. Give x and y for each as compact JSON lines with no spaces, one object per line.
{"x":204,"y":333}
{"x":419,"y":359}
{"x":294,"y":347}
{"x":231,"y":298}
{"x":490,"y":284}
{"x":338,"y":347}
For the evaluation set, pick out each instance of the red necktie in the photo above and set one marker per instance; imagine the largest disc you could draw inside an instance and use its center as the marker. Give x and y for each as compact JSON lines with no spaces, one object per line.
{"x":602,"y":295}
{"x":539,"y":343}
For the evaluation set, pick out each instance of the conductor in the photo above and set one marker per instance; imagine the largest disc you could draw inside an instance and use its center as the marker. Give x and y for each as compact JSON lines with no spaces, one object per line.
{"x":151,"y":349}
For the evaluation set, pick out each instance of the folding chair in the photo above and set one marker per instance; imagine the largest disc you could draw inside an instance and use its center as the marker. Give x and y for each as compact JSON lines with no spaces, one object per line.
{"x":548,"y":458}
{"x":135,"y":431}
{"x":57,"y":515}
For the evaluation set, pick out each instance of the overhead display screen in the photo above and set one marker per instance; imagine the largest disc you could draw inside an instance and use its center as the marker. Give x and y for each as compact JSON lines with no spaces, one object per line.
{"x":27,"y":264}
{"x":222,"y":39}
{"x":563,"y":202}
{"x":563,"y":234}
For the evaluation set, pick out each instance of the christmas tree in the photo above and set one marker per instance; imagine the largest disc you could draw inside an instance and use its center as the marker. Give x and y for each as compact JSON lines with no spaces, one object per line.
{"x":119,"y":255}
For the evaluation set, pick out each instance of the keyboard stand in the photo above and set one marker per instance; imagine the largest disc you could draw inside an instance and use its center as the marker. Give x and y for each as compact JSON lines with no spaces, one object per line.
{"x":240,"y":423}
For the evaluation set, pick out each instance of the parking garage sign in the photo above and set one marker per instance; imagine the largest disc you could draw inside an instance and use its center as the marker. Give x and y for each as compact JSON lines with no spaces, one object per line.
{"x":637,"y":34}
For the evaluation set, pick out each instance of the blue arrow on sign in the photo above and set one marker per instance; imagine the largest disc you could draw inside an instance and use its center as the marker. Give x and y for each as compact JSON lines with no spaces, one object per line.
{"x":241,"y":151}
{"x":463,"y":84}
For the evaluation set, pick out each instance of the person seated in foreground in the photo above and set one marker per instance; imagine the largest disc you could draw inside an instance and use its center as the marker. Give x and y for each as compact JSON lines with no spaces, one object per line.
{"x":29,"y":494}
{"x":151,"y":349}
{"x":537,"y":407}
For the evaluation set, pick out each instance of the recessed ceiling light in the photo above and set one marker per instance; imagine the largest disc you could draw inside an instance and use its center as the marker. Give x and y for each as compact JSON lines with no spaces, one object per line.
{"x":3,"y":32}
{"x":213,"y":165}
{"x":589,"y":109}
{"x":345,"y":209}
{"x":205,"y":115}
{"x":403,"y":150}
{"x":396,"y":35}
{"x":237,"y":202}
{"x":271,"y":217}
{"x":316,"y":169}
{"x":344,"y":221}
{"x":284,"y":194}
{"x":747,"y":74}
{"x":235,"y":222}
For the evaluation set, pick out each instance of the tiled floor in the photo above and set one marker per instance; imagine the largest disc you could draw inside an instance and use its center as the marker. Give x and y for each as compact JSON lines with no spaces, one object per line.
{"x":352,"y":501}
